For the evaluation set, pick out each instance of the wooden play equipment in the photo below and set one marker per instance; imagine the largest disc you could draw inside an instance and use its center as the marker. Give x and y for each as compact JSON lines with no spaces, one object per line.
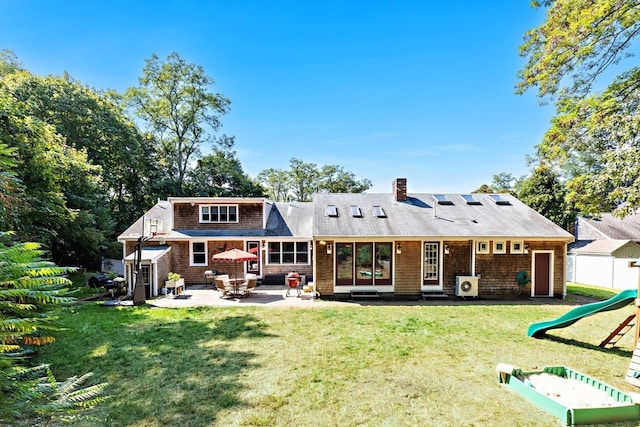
{"x":620,"y":331}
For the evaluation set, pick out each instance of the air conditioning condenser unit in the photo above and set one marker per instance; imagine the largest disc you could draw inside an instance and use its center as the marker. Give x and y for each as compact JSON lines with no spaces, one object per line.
{"x":466,"y":286}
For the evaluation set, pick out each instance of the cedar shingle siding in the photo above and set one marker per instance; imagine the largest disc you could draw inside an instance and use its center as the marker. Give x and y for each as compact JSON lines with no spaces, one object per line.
{"x":451,"y":225}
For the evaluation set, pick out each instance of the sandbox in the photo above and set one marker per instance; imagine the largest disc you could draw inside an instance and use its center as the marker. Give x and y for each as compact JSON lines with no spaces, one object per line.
{"x":573,"y":397}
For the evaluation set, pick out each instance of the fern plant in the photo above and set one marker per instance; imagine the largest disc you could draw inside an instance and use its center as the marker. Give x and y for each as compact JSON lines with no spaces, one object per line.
{"x":29,"y":287}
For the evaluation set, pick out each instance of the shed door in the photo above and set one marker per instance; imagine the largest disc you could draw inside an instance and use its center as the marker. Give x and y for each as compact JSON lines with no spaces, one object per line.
{"x":542,"y":274}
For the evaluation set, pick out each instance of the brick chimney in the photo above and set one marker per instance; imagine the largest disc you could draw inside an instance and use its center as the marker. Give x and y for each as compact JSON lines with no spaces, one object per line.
{"x":400,"y":189}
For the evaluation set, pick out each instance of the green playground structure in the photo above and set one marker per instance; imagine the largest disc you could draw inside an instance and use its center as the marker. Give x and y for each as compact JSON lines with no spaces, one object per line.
{"x":621,"y":300}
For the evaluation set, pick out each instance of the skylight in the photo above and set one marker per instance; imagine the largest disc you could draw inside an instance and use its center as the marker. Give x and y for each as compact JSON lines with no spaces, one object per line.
{"x":470,"y":199}
{"x":380,"y":213}
{"x":356,"y":212}
{"x":499,"y":200}
{"x":442,"y":199}
{"x":332,"y":210}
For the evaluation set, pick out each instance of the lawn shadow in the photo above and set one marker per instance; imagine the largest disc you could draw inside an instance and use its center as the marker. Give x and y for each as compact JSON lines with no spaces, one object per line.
{"x":172,"y":370}
{"x":589,"y":346}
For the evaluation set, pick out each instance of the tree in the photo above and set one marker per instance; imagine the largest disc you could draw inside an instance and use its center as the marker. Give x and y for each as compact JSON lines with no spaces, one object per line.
{"x":11,"y":188}
{"x":502,"y":183}
{"x":59,"y":186}
{"x":544,"y":192}
{"x":334,"y":179}
{"x":594,"y":138}
{"x":220,"y":174}
{"x":484,"y":188}
{"x":304,"y":179}
{"x":175,"y":100}
{"x":275,"y":183}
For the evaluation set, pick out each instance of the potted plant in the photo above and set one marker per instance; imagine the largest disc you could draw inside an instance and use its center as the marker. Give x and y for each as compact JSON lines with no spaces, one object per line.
{"x":174,"y":281}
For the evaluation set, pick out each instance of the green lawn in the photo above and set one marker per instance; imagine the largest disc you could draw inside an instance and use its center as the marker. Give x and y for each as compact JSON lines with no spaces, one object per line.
{"x":391,"y":365}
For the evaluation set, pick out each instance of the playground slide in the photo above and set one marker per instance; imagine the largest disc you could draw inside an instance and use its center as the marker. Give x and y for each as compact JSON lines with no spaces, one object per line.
{"x":624,"y":298}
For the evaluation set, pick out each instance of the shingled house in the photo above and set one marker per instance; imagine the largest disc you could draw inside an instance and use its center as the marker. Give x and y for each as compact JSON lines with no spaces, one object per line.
{"x":396,"y":244}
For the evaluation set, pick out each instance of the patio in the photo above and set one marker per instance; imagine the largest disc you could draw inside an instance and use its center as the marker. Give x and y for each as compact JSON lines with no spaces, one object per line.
{"x":201,"y":296}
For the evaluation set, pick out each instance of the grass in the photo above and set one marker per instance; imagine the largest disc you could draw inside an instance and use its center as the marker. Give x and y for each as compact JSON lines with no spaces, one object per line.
{"x":590,"y":291}
{"x":371,"y":365}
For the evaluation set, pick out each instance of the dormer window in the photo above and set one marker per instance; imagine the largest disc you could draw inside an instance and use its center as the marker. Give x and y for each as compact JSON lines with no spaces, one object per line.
{"x":218,"y":213}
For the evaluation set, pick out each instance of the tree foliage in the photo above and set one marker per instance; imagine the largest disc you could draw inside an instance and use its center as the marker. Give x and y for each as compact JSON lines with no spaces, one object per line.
{"x":594,"y":139}
{"x":544,"y":192}
{"x":181,"y":112}
{"x":303,"y":179}
{"x":60,"y":188}
{"x":220,"y":175}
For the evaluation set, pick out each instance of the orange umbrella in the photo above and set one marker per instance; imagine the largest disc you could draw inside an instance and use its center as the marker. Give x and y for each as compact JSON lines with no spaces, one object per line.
{"x":234,"y":255}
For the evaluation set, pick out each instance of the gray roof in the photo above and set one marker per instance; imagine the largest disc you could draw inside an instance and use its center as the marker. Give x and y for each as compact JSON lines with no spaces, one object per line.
{"x":601,"y":247}
{"x":295,"y":218}
{"x":607,"y":226}
{"x":161,"y":210}
{"x":149,"y":253}
{"x":284,"y":220}
{"x":422,"y":216}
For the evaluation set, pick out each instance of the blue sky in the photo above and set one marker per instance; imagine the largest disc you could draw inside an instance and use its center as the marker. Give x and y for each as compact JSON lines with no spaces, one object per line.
{"x":417,"y":89}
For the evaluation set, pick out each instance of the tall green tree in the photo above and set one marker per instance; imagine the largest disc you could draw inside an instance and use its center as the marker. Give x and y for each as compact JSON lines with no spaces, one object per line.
{"x":303,"y":179}
{"x":335,"y":179}
{"x":544,"y":192}
{"x":594,"y":136}
{"x":61,"y":188}
{"x":503,"y":183}
{"x":220,"y":174}
{"x":181,"y":112}
{"x":11,"y":188}
{"x":276,"y":184}
{"x":96,"y":123}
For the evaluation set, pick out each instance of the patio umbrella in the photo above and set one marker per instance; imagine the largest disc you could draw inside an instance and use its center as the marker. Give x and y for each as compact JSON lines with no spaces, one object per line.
{"x":234,"y":255}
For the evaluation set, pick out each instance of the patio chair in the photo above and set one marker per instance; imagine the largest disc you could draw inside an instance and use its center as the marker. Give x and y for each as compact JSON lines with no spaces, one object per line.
{"x":248,"y":285}
{"x":222,"y":283}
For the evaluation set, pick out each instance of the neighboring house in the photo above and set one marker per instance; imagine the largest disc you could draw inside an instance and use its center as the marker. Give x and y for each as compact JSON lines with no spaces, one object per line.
{"x":397,"y":244}
{"x":605,"y":252}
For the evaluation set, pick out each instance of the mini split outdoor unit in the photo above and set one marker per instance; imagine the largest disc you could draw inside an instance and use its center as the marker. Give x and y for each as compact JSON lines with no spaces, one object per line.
{"x":466,"y":286}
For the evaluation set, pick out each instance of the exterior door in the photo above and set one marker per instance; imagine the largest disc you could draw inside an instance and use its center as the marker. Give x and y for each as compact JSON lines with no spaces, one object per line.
{"x":431,"y":264}
{"x":254,"y":265}
{"x":542,"y":283}
{"x":145,"y":279}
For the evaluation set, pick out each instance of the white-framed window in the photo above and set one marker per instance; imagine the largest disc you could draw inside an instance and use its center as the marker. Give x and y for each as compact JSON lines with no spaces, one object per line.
{"x":483,"y":247}
{"x":198,"y":253}
{"x":499,"y":247}
{"x":218,"y":213}
{"x":517,"y":247}
{"x":288,"y":253}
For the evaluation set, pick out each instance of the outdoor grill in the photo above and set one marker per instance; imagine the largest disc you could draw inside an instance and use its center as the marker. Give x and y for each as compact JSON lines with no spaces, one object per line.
{"x":293,"y":280}
{"x":115,"y":286}
{"x":209,"y":275}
